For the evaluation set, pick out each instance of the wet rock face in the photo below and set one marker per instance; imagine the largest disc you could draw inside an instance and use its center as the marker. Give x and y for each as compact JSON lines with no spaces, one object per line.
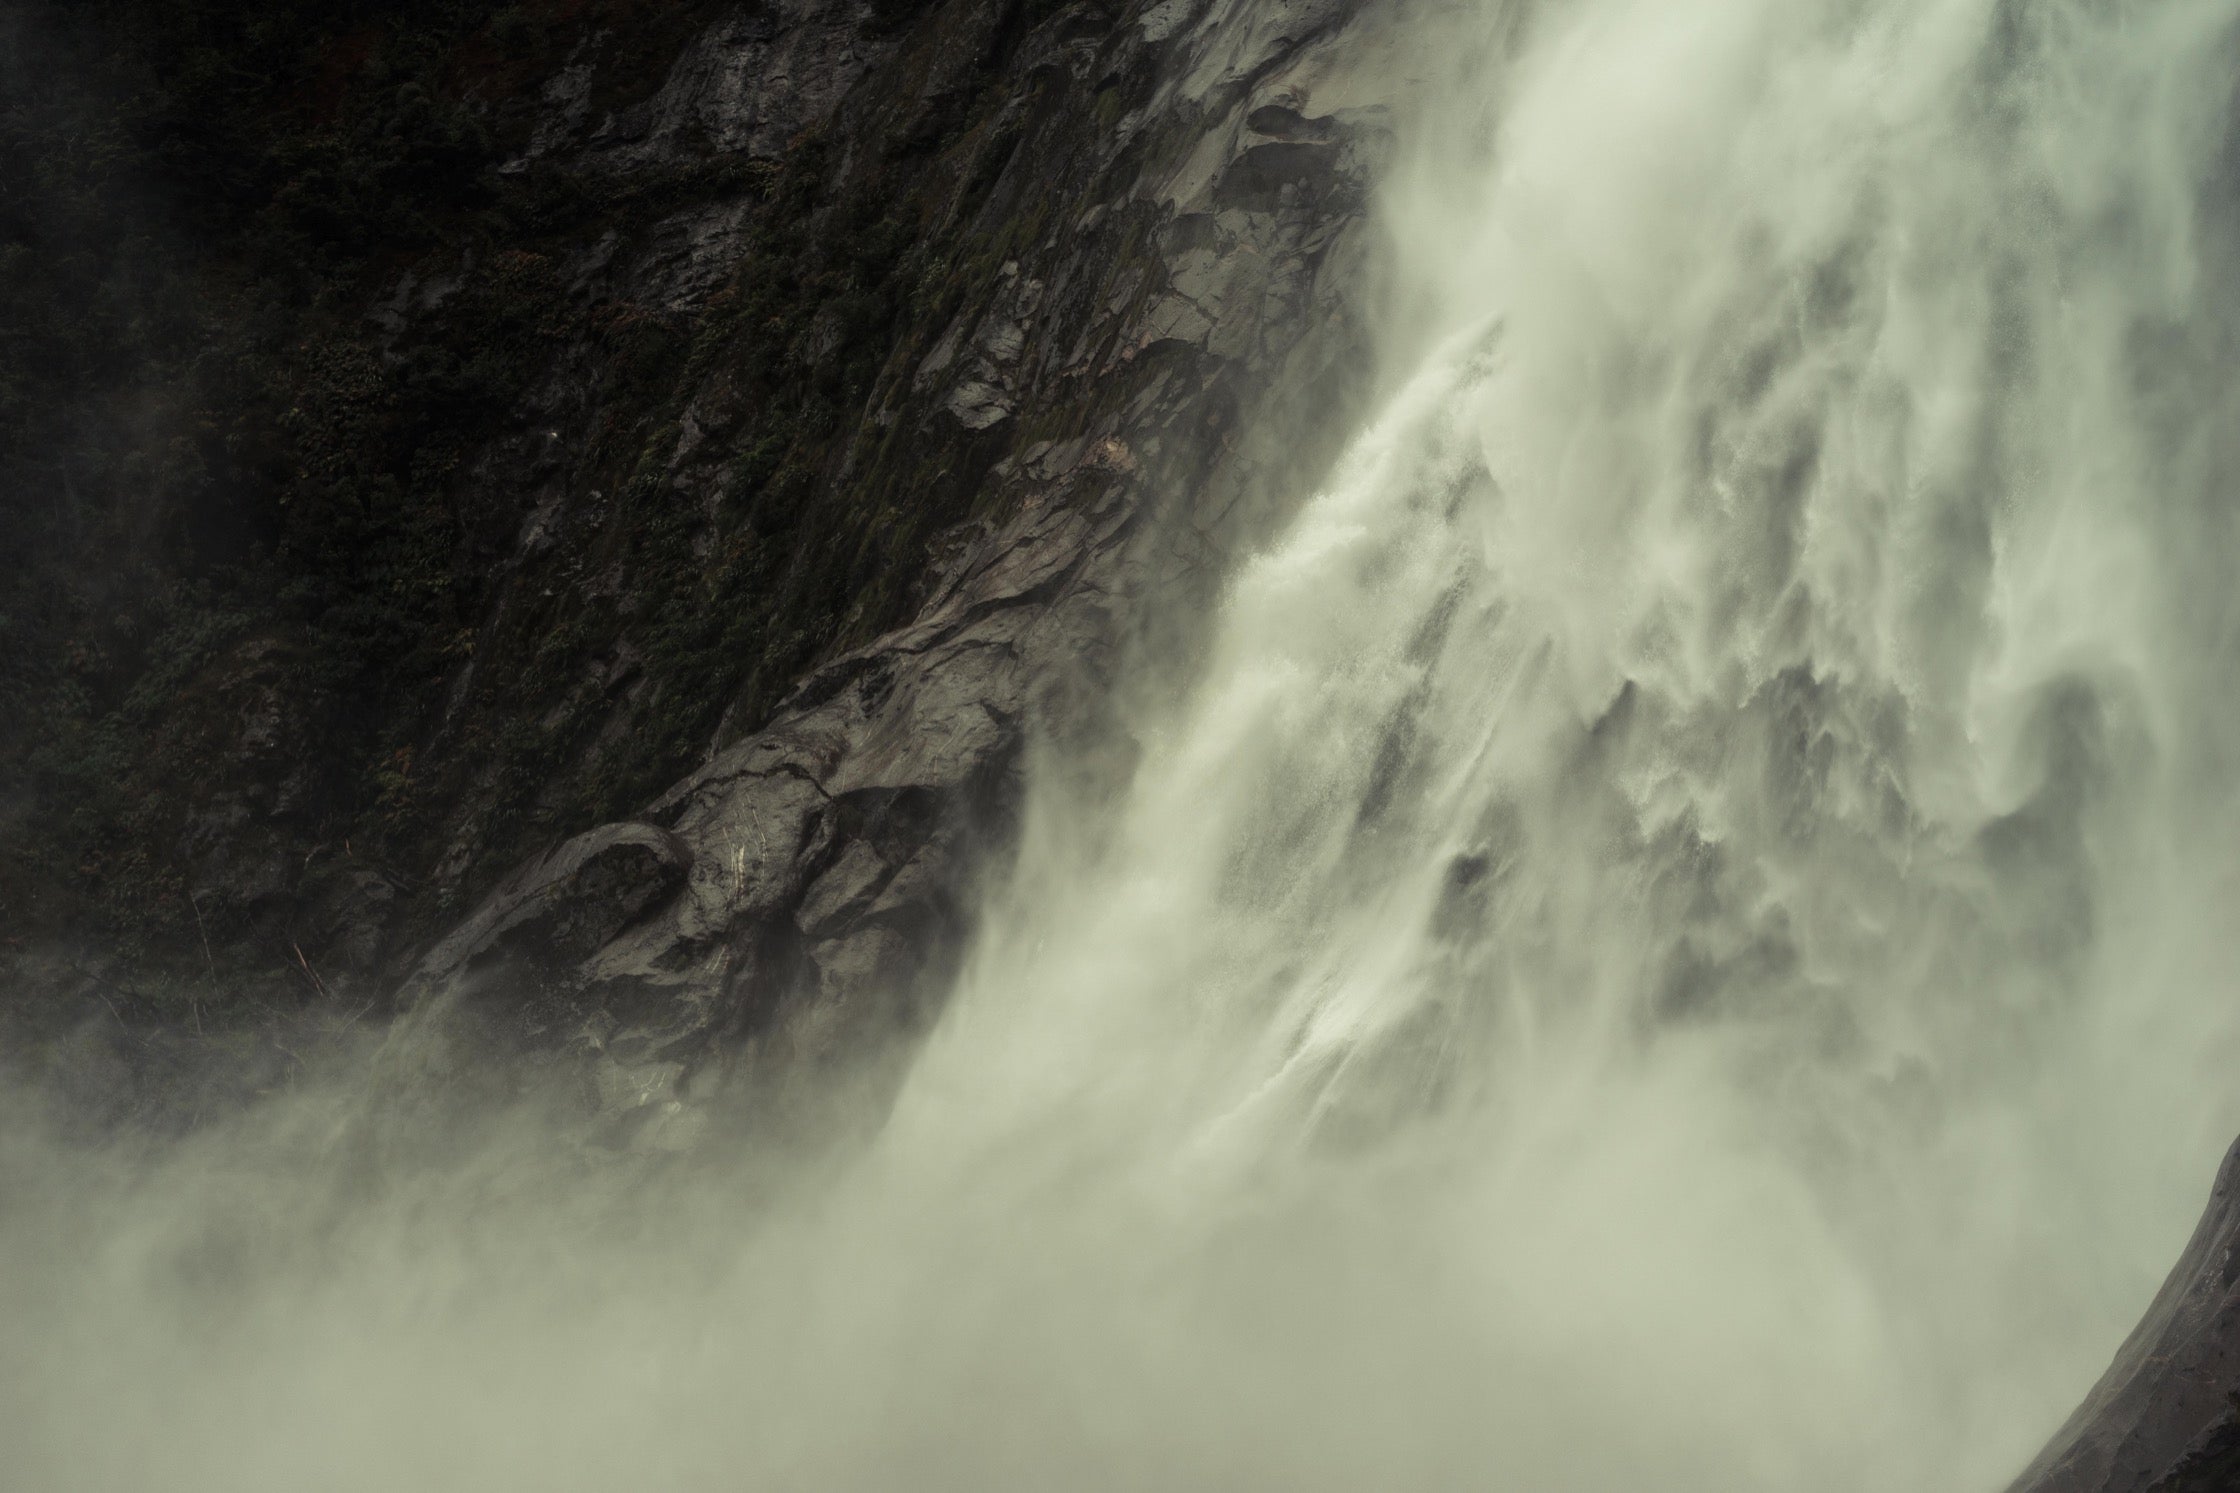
{"x":749,"y":83}
{"x":1181,"y":241}
{"x":2165,"y":1418}
{"x":679,"y":536}
{"x":567,"y":904}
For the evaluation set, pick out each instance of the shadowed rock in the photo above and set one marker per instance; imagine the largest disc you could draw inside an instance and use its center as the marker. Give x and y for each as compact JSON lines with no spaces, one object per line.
{"x":568,"y":902}
{"x":2165,"y":1418}
{"x":799,"y":901}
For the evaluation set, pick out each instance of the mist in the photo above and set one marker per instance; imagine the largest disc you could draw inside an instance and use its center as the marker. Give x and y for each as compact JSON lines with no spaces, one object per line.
{"x":1677,"y":937}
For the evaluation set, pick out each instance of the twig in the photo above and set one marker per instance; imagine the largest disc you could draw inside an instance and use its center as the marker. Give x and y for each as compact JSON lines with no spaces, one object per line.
{"x":293,"y":1056}
{"x":316,"y":983}
{"x":194,"y":1002}
{"x":102,"y":984}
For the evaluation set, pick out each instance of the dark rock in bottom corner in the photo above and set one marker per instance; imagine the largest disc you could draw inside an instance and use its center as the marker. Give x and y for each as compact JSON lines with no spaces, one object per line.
{"x":2165,"y":1418}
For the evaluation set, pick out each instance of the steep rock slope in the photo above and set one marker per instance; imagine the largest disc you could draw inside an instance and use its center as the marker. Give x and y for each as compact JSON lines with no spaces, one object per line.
{"x":1195,"y":185}
{"x":783,"y":395}
{"x":2165,"y":1418}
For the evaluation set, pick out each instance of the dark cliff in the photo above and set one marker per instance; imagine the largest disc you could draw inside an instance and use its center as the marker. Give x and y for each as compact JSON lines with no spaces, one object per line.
{"x":2165,"y":1418}
{"x":584,"y":503}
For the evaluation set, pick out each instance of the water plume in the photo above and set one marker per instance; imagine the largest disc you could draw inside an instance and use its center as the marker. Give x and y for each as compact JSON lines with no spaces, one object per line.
{"x":1678,"y":937}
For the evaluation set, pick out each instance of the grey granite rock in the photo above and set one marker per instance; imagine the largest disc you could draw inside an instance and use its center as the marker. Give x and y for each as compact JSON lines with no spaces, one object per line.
{"x":801,"y":897}
{"x":750,"y":83}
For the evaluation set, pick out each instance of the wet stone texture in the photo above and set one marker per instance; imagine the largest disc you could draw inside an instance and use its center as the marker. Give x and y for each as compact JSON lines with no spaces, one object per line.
{"x":798,"y":902}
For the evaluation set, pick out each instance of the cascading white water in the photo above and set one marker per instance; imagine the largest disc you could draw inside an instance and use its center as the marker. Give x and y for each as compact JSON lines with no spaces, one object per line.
{"x":1728,"y":791}
{"x":1680,"y":941}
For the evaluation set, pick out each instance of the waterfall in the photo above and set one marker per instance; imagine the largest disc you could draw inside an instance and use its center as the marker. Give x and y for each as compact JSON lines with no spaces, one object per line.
{"x":1677,"y":936}
{"x":1691,"y":882}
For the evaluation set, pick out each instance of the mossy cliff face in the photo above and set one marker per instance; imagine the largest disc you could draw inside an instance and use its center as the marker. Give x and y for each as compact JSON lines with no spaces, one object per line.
{"x":706,"y":440}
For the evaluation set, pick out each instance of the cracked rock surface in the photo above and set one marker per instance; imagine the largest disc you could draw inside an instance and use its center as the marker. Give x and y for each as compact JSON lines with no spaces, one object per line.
{"x":802,"y":896}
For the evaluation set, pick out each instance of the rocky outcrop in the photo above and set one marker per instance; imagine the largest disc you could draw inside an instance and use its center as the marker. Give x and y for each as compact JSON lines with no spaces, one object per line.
{"x":748,"y":84}
{"x":663,"y":547}
{"x":2165,"y":1418}
{"x":1195,"y":254}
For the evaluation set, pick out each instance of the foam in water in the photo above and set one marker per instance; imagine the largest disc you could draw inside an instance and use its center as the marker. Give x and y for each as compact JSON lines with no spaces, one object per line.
{"x":1678,"y":942}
